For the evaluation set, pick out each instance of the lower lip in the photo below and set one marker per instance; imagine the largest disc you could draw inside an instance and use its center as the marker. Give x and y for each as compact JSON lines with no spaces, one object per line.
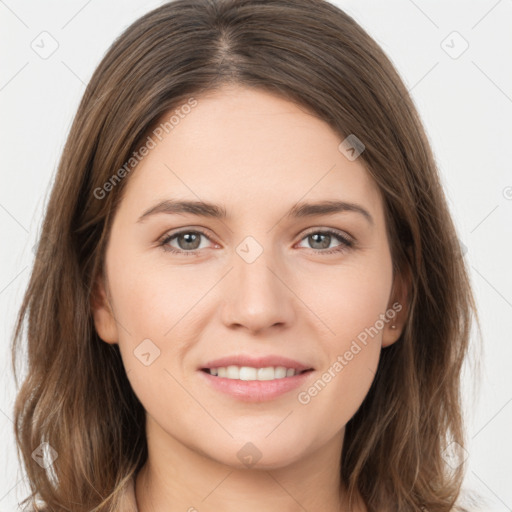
{"x":256,"y":390}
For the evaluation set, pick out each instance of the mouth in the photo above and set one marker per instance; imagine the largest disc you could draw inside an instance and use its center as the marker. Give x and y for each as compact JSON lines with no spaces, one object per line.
{"x":252,"y":384}
{"x":249,"y":373}
{"x":255,"y":379}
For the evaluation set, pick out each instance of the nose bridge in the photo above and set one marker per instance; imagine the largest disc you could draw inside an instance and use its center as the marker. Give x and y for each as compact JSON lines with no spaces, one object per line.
{"x":258,"y":296}
{"x":253,"y":261}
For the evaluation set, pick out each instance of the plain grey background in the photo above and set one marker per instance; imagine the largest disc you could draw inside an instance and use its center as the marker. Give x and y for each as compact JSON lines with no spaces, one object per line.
{"x":454,"y":56}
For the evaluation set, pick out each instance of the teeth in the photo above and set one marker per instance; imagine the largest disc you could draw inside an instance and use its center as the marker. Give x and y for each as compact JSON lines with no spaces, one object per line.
{"x":249,"y":373}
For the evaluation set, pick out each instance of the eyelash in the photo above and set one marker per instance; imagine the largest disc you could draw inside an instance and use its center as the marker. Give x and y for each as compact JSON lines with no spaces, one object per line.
{"x":346,"y":243}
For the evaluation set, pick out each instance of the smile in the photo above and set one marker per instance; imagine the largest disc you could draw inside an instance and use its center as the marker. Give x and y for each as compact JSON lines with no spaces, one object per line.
{"x":248,"y":373}
{"x":260,"y":384}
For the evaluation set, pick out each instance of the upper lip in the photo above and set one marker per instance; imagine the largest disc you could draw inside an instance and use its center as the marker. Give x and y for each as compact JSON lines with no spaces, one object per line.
{"x":256,"y":362}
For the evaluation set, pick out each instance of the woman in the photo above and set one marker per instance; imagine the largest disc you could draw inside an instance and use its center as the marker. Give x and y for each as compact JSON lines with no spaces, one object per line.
{"x":190,"y":346}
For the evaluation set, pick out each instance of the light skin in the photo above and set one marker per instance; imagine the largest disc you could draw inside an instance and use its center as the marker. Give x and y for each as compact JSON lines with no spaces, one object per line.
{"x":257,"y":155}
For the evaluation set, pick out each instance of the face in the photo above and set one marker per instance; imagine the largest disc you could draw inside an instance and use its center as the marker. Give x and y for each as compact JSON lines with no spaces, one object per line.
{"x":271,"y":284}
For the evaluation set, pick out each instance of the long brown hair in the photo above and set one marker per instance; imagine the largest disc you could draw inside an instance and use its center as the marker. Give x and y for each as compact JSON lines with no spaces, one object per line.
{"x":76,"y":396}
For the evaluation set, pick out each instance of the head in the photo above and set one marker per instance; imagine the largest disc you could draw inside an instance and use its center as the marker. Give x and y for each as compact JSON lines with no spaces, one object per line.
{"x":258,"y":109}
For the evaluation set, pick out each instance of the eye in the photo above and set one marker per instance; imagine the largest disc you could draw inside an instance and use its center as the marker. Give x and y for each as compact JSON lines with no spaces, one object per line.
{"x":189,"y":241}
{"x":323,"y":239}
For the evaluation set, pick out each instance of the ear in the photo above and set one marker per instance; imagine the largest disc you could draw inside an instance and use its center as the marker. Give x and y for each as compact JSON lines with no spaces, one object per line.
{"x":104,"y":320}
{"x":399,"y":304}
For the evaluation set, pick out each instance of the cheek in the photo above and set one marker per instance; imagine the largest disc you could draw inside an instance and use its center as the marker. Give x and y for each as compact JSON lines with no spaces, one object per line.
{"x":151,"y":299}
{"x":162,"y":312}
{"x":348,"y":300}
{"x":352,"y":346}
{"x":155,"y":307}
{"x":351,"y":302}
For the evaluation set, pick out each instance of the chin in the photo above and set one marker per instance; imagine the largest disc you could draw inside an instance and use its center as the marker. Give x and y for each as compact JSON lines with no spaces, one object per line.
{"x":258,"y":452}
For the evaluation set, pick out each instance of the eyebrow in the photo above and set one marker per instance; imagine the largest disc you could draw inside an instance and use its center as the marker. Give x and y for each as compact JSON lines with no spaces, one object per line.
{"x":211,"y":210}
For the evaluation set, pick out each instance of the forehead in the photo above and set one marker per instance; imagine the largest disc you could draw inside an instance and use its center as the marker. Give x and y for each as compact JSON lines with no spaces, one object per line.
{"x":248,"y":149}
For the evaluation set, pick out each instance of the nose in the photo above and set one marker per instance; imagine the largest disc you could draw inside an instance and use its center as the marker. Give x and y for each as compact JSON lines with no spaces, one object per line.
{"x":257,"y":296}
